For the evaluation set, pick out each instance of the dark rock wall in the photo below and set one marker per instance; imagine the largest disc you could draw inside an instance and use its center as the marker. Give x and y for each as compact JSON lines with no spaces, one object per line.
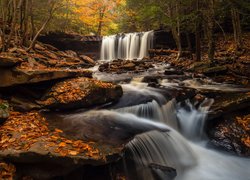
{"x":91,"y":45}
{"x":87,"y":45}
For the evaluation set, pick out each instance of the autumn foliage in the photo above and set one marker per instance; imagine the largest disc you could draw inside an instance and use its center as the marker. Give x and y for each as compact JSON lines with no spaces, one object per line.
{"x":28,"y":131}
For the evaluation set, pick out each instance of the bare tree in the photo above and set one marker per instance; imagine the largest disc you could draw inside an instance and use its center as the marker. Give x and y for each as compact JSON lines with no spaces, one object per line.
{"x":198,"y":32}
{"x":237,"y":27}
{"x":53,"y":7}
{"x":173,"y":12}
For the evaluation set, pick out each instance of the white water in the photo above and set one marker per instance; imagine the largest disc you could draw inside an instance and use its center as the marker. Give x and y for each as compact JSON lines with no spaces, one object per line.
{"x":126,"y":46}
{"x":184,"y":149}
{"x":185,"y":146}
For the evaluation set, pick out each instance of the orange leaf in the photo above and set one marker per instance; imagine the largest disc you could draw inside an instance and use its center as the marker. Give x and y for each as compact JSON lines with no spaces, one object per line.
{"x":62,"y":144}
{"x":73,"y":153}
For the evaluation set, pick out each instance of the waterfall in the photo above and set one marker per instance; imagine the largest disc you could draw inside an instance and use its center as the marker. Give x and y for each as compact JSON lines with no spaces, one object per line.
{"x":164,"y":139}
{"x":127,"y":46}
{"x":180,"y":153}
{"x":191,"y":161}
{"x":161,"y":149}
{"x":192,"y":120}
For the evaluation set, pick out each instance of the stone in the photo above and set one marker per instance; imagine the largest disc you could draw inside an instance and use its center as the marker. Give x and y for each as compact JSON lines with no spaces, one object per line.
{"x":173,"y":72}
{"x":199,"y":66}
{"x":87,"y":60}
{"x":80,"y":93}
{"x":228,"y":103}
{"x":27,"y":139}
{"x":7,"y":60}
{"x":28,"y":76}
{"x":228,"y":125}
{"x":23,"y":104}
{"x":213,"y":71}
{"x":129,"y":65}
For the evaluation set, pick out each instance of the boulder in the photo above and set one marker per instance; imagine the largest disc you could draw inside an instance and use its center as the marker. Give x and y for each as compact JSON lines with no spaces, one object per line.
{"x":199,"y":66}
{"x":129,"y":65}
{"x":27,"y":76}
{"x":213,"y":71}
{"x":28,"y":140}
{"x":87,"y":60}
{"x":6,"y":60}
{"x":23,"y":104}
{"x":228,"y":103}
{"x":173,"y":72}
{"x":80,"y":93}
{"x":229,"y":122}
{"x":231,"y":133}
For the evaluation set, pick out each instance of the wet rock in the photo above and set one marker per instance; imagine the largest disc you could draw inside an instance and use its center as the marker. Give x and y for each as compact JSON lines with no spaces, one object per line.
{"x":27,"y":76}
{"x":162,"y":172}
{"x":213,"y":71}
{"x":228,"y":125}
{"x":105,"y":127}
{"x":152,"y":79}
{"x":80,"y":93}
{"x":232,"y":133}
{"x":124,"y":66}
{"x":229,"y":102}
{"x":173,"y":72}
{"x":7,"y":60}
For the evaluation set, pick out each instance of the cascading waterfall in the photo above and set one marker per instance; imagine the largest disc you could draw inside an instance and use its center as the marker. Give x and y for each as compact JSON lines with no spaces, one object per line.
{"x":127,"y":46}
{"x":165,"y":146}
{"x":152,"y":155}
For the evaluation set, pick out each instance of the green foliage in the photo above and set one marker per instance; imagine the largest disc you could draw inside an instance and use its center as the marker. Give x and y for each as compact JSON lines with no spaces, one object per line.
{"x":4,"y":106}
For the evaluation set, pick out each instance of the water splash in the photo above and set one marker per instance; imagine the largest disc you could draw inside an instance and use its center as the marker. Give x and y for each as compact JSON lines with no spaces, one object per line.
{"x":192,"y":120}
{"x":164,"y":149}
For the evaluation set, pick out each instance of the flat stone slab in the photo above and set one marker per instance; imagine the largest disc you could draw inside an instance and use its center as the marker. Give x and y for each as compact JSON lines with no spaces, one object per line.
{"x":27,"y":138}
{"x":27,"y":76}
{"x":80,"y":93}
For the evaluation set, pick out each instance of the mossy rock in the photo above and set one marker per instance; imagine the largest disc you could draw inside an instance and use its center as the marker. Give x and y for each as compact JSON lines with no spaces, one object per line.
{"x":218,"y":70}
{"x":199,"y":66}
{"x":4,"y":111}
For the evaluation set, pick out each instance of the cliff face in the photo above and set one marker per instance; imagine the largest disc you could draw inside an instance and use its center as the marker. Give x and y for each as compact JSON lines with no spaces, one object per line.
{"x":87,"y":45}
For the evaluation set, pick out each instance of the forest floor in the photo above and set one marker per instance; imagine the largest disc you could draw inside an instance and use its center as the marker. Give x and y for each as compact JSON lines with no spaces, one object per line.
{"x":229,"y":65}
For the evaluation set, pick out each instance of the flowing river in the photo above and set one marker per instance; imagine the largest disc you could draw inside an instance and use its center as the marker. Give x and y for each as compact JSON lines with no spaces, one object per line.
{"x":170,"y":142}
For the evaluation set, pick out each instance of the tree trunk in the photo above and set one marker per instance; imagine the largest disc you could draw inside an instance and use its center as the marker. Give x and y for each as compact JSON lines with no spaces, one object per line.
{"x":33,"y":43}
{"x":177,"y":41}
{"x":3,"y":6}
{"x":210,"y":30}
{"x":198,"y":33}
{"x":51,"y":11}
{"x":189,"y":48}
{"x":174,"y":14}
{"x":101,"y":16}
{"x":237,"y":28}
{"x":25,"y":33}
{"x":31,"y":19}
{"x":13,"y":24}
